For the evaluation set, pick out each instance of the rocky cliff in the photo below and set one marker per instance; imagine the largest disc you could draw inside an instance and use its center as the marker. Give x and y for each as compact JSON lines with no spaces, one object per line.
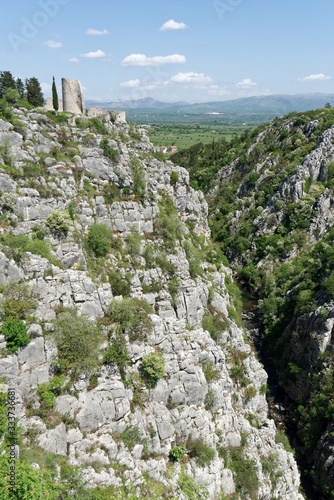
{"x":271,"y":210}
{"x":121,"y":330}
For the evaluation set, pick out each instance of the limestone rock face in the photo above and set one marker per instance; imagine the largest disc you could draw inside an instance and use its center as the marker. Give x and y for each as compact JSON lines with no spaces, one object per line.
{"x":73,"y":101}
{"x":130,"y":191}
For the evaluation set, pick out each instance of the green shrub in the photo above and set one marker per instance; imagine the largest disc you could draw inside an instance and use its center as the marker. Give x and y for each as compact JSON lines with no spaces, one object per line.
{"x":253,"y":420}
{"x":211,"y":372}
{"x":111,"y":153}
{"x":30,"y":482}
{"x":15,"y":332}
{"x":152,"y":368}
{"x":177,"y":452}
{"x":19,"y":300}
{"x":173,"y":288}
{"x":238,"y":370}
{"x":282,"y":438}
{"x":194,"y":257}
{"x":38,"y":233}
{"x":174,"y":177}
{"x":153,"y":287}
{"x":14,"y":245}
{"x":167,"y":225}
{"x":149,"y":256}
{"x":138,"y":178}
{"x":329,"y":286}
{"x":166,"y":266}
{"x":93,"y":382}
{"x":77,"y":340}
{"x":72,"y":209}
{"x":32,"y":170}
{"x":17,"y":245}
{"x":98,"y":241}
{"x":271,"y":467}
{"x":131,"y":317}
{"x":202,"y":453}
{"x":48,"y":391}
{"x":245,"y":473}
{"x":133,"y":242}
{"x":330,"y":174}
{"x":235,"y":295}
{"x":42,"y":248}
{"x":117,"y":353}
{"x":111,"y":193}
{"x":250,"y":392}
{"x":191,"y":489}
{"x":210,"y":399}
{"x":263,"y":389}
{"x":120,"y":284}
{"x":59,"y":222}
{"x":215,"y":324}
{"x":59,"y":117}
{"x":132,"y":436}
{"x":7,"y":201}
{"x":98,"y":126}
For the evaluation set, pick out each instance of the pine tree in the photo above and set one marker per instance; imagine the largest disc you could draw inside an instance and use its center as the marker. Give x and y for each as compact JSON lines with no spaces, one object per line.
{"x":7,"y":81}
{"x":34,"y":92}
{"x":55,"y":102}
{"x":20,"y":87}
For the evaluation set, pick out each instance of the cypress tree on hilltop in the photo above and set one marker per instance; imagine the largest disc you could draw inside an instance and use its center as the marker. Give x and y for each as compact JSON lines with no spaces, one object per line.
{"x":55,"y":102}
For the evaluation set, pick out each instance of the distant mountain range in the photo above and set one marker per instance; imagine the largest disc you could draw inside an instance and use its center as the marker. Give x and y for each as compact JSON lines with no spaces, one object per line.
{"x":276,"y":104}
{"x":146,"y":103}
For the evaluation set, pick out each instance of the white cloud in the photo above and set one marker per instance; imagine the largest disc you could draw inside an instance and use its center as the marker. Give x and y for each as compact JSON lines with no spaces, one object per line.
{"x":143,"y":60}
{"x":156,"y":85}
{"x":317,"y":77}
{"x":131,"y":84}
{"x":173,"y":25}
{"x":191,"y":78}
{"x":46,"y":88}
{"x":74,"y":60}
{"x":94,"y":55}
{"x":93,"y":32}
{"x":52,"y":44}
{"x":246,"y":83}
{"x":217,"y":91}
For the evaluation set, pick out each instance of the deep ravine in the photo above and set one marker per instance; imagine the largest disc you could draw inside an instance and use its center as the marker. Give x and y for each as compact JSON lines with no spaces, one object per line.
{"x":279,"y":405}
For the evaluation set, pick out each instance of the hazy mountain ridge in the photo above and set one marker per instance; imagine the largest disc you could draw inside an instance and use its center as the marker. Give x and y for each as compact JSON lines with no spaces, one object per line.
{"x":276,"y":104}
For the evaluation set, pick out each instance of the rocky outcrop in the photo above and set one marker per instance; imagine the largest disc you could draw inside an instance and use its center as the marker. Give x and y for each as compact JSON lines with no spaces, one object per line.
{"x":271,"y":208}
{"x":213,"y":388}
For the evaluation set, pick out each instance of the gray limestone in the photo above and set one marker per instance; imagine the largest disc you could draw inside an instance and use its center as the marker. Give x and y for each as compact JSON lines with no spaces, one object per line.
{"x":174,"y":409}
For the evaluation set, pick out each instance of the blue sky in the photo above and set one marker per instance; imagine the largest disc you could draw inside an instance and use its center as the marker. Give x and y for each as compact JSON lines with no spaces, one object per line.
{"x":193,"y":50}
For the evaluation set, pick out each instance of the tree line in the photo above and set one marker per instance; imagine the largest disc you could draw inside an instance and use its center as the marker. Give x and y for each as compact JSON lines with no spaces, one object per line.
{"x":15,"y":91}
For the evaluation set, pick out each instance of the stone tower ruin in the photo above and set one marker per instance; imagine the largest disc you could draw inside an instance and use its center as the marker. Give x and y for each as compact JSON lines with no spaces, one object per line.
{"x":73,"y":101}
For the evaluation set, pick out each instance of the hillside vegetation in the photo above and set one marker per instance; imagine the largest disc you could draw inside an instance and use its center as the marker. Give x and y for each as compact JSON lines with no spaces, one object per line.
{"x":271,"y":196}
{"x":122,"y":351}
